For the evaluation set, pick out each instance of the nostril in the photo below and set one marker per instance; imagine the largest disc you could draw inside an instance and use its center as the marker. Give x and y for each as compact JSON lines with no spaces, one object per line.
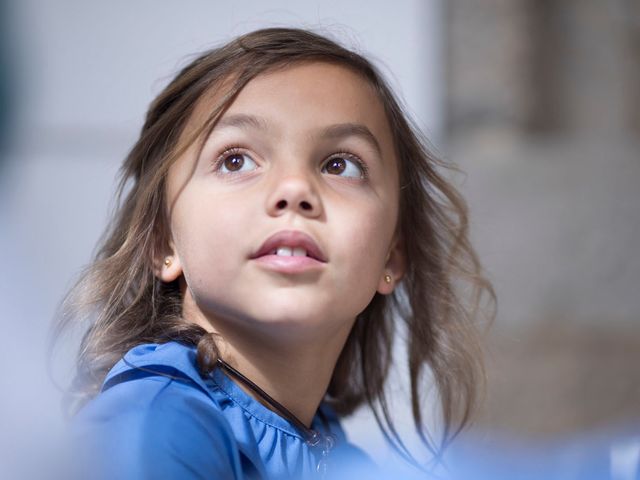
{"x":305,"y":205}
{"x":281,"y":204}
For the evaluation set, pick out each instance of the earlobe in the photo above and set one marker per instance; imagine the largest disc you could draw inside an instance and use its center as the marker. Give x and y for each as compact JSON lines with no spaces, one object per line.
{"x":386,"y":284}
{"x":169,"y":267}
{"x":394,"y":269}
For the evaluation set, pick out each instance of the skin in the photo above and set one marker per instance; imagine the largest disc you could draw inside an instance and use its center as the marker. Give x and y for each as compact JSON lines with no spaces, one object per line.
{"x":285,"y":330}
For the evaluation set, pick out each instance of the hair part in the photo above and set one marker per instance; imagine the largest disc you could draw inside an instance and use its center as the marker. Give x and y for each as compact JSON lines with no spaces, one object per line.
{"x":123,"y":304}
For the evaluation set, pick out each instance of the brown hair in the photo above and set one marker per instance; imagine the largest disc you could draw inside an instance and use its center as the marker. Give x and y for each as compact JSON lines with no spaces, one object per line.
{"x":123,"y":303}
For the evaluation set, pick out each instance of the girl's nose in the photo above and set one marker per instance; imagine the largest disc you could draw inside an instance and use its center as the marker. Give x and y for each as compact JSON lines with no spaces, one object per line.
{"x":294,"y":194}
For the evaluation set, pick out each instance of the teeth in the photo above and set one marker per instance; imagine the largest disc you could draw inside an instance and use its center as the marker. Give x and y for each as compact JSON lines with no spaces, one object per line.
{"x":291,"y":252}
{"x":284,"y":251}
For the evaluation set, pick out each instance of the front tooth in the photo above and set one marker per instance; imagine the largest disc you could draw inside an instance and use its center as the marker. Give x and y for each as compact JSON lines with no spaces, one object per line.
{"x":284,"y":251}
{"x":299,"y":252}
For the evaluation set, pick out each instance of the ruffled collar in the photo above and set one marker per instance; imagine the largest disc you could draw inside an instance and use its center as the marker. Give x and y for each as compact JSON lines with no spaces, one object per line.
{"x":178,"y":361}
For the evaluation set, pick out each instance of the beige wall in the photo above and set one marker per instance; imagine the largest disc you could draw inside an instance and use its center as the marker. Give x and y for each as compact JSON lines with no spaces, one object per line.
{"x":542,"y":115}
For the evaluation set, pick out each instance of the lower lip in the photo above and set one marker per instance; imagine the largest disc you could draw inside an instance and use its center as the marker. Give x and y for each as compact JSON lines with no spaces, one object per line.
{"x":289,"y":264}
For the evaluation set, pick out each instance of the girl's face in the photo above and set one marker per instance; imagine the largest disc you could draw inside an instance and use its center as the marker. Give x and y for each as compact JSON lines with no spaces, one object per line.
{"x":301,"y":162}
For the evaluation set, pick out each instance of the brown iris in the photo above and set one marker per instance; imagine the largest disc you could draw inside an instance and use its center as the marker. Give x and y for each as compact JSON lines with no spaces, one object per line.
{"x":336,"y":166}
{"x":234,"y":162}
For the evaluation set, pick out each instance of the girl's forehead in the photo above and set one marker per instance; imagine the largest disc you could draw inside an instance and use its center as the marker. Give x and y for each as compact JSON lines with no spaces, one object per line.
{"x":318,"y":84}
{"x":305,"y":95}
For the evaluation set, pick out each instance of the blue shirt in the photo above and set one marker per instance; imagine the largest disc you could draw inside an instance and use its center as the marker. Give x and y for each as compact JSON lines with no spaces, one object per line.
{"x":157,"y":417}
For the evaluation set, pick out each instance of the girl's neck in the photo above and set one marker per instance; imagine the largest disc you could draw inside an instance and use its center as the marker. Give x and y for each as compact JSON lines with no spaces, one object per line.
{"x":298,"y":381}
{"x":294,"y":372}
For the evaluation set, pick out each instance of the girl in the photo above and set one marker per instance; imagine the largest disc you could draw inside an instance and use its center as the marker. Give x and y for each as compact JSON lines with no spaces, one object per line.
{"x":280,"y":217}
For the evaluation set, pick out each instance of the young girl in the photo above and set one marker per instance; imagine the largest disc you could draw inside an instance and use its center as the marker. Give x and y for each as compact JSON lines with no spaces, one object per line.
{"x":281,"y":218}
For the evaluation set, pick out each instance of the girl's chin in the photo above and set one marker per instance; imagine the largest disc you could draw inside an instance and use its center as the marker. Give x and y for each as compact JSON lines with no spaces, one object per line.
{"x":285,"y":333}
{"x":302,"y":316}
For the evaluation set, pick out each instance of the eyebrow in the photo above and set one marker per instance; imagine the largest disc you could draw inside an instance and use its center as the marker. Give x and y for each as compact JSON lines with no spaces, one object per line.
{"x":342,"y":130}
{"x":339,"y":130}
{"x":241,"y":120}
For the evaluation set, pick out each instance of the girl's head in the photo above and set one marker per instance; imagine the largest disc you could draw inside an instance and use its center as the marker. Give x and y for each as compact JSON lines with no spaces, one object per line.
{"x":283,"y":132}
{"x":302,"y":157}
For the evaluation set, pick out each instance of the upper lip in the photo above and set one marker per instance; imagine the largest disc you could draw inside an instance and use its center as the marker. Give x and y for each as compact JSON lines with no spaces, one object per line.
{"x":291,"y":239}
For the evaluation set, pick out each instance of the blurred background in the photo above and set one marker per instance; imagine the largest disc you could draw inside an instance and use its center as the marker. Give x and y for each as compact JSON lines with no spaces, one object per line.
{"x":538,"y":101}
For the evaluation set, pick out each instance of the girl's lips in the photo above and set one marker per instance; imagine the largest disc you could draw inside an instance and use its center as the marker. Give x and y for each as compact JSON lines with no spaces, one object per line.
{"x":288,"y":264}
{"x":291,"y":239}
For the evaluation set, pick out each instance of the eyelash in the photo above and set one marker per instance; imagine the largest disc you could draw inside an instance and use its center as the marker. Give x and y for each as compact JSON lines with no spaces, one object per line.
{"x":226,"y":151}
{"x":237,"y":149}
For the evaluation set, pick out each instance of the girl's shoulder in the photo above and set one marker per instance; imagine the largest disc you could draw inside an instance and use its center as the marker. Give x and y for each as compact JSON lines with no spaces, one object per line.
{"x":155,"y":416}
{"x":153,"y":380}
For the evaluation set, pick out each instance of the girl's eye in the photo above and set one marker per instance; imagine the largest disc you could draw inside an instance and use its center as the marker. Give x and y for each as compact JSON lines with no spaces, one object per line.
{"x":232,"y":161}
{"x":344,"y":166}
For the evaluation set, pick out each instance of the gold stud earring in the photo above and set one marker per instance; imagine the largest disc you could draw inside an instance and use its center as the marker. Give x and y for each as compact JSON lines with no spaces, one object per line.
{"x":167,"y":261}
{"x":387,"y":278}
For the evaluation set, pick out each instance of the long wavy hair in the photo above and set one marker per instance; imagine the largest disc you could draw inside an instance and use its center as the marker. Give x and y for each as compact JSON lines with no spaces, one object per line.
{"x":121,"y":303}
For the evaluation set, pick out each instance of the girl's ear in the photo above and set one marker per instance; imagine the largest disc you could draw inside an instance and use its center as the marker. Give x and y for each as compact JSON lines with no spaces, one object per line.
{"x":168,"y":268}
{"x":394,"y":267}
